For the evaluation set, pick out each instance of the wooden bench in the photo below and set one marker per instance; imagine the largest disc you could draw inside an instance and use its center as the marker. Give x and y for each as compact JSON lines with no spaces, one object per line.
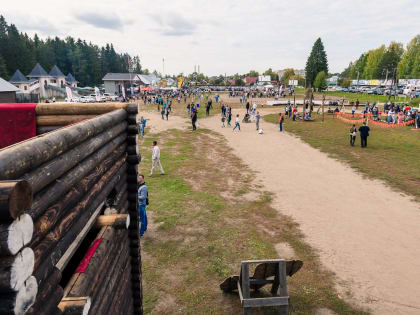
{"x":277,"y":268}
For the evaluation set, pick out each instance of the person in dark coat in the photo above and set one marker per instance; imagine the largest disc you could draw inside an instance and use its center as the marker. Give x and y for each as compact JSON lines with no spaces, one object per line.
{"x":364,"y":134}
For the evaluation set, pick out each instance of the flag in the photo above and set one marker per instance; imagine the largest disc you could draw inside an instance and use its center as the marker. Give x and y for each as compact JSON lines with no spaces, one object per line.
{"x":68,"y":92}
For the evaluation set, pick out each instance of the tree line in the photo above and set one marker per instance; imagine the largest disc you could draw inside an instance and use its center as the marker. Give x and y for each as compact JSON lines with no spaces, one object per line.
{"x":87,"y":62}
{"x":392,"y":62}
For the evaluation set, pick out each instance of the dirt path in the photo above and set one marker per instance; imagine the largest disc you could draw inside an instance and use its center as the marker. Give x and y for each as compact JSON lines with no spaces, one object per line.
{"x":367,"y":234}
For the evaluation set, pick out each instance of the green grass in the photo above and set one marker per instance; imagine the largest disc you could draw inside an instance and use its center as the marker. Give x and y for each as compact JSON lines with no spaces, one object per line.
{"x":197,"y":236}
{"x":392,"y":153}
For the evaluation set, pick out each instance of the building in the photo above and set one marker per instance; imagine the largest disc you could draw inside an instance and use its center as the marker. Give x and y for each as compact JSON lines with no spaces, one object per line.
{"x":57,"y":77}
{"x":7,"y":92}
{"x":115,"y":82}
{"x":71,"y":81}
{"x":250,"y":80}
{"x":45,"y":85}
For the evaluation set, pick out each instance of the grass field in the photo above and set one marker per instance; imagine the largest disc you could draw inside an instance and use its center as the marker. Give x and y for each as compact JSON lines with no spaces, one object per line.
{"x":392,"y":153}
{"x":205,"y":216}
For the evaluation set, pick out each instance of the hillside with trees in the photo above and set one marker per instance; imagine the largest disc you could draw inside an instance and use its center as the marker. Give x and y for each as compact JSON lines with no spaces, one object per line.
{"x":86,"y":61}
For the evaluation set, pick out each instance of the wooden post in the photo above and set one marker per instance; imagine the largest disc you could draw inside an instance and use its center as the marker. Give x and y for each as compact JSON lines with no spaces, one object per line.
{"x":18,"y":159}
{"x":323,"y":101}
{"x":14,"y":270}
{"x":61,"y":120}
{"x":77,"y":109}
{"x":115,"y":220}
{"x":75,"y":305}
{"x":15,"y":198}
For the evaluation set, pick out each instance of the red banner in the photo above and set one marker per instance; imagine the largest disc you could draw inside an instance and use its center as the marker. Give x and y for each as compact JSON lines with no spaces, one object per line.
{"x":88,"y":256}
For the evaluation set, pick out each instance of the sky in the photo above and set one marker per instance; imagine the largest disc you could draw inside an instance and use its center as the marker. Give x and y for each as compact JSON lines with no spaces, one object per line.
{"x":223,"y":36}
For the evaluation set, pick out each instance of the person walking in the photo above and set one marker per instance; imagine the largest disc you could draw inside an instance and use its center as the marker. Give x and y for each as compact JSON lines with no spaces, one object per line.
{"x":237,"y":124}
{"x":194,"y":118}
{"x":142,"y":126}
{"x":364,"y":134}
{"x":143,"y":199}
{"x":167,"y":113}
{"x":229,"y":117}
{"x":247,"y":107}
{"x":281,"y":120}
{"x":257,"y":121}
{"x":353,"y":132}
{"x":156,"y":159}
{"x":223,"y":120}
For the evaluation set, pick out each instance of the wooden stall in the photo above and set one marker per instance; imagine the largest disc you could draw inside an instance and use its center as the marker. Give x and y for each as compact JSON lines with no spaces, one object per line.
{"x":69,"y":229}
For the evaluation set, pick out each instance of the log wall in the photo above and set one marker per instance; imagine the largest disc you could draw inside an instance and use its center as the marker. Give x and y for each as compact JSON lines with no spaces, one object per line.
{"x":69,"y":233}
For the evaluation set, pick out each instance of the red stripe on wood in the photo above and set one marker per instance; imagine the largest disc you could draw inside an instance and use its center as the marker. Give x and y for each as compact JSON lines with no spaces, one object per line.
{"x":88,"y":256}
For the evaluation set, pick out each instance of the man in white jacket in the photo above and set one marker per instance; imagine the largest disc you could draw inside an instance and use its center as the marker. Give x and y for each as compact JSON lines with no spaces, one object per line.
{"x":156,"y":159}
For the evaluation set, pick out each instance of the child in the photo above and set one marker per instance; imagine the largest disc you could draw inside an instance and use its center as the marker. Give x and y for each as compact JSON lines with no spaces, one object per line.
{"x":237,"y":125}
{"x":223,"y":121}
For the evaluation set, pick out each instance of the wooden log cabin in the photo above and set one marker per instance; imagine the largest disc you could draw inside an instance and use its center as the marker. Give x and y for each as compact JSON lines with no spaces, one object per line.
{"x":69,"y":231}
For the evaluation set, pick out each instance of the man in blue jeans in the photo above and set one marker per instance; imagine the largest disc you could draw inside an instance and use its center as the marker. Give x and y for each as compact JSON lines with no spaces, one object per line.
{"x":143,"y":201}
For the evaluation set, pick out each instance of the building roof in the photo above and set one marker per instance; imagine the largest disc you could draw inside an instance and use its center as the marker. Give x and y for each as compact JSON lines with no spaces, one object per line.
{"x":56,"y":72}
{"x":7,"y":87}
{"x":251,"y":79}
{"x":120,"y":77}
{"x":38,"y":72}
{"x":18,"y":77}
{"x":71,"y":79}
{"x":148,"y":78}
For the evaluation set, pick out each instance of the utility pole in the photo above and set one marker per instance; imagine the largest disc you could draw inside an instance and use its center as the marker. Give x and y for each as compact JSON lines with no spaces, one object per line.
{"x":358,"y":74}
{"x":163,"y":66}
{"x":323,"y":101}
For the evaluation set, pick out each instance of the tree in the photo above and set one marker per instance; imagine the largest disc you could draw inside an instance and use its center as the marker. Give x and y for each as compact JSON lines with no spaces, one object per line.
{"x":317,"y":62}
{"x":320,"y":81}
{"x":408,"y":68}
{"x":346,"y":83}
{"x":3,"y":69}
{"x":389,"y":61}
{"x":274,"y":76}
{"x":372,"y":62}
{"x":252,"y":73}
{"x":287,"y":74}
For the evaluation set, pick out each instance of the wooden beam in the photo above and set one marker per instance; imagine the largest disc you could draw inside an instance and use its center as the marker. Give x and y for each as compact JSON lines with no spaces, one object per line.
{"x":75,"y":305}
{"x":14,"y":236}
{"x":18,"y":159}
{"x":77,"y":109}
{"x":115,"y":220}
{"x":61,"y":120}
{"x":14,"y":270}
{"x":15,"y":198}
{"x":62,"y":263}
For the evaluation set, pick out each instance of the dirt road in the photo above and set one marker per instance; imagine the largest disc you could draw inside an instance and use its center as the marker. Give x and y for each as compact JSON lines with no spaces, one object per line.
{"x":367,"y":234}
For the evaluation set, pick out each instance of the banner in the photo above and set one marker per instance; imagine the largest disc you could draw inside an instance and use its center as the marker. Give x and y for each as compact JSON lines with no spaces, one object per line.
{"x":123,"y":91}
{"x":293,"y":82}
{"x":97,"y":94}
{"x":68,"y":92}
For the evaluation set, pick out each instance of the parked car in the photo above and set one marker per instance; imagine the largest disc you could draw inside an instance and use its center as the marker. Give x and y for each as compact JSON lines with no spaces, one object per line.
{"x":110,"y":97}
{"x":345,"y":90}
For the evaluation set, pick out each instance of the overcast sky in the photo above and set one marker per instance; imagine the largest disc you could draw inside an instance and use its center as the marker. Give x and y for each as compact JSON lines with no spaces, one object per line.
{"x":223,"y":36}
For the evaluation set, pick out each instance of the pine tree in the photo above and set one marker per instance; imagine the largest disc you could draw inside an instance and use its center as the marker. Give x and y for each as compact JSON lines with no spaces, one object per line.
{"x":317,"y":62}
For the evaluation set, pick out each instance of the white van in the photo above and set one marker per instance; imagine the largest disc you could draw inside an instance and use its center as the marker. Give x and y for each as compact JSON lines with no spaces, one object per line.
{"x":411,"y":89}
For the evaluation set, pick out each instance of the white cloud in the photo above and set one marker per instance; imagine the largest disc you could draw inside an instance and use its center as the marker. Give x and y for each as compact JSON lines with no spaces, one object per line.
{"x":225,"y":35}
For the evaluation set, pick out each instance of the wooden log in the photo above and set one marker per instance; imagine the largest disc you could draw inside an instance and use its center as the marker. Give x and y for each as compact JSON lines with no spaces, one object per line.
{"x":45,"y":291}
{"x":14,"y":236}
{"x":89,"y":203}
{"x":132,"y":179}
{"x":56,"y":190}
{"x":132,"y":119}
{"x":18,"y":159}
{"x":118,"y":221}
{"x":132,"y":169}
{"x":121,"y":291}
{"x":19,"y":302}
{"x":76,"y":109}
{"x":132,"y":140}
{"x":132,"y":196}
{"x":107,"y":288}
{"x":132,"y":150}
{"x":133,"y":188}
{"x":132,"y":129}
{"x":59,"y":240}
{"x":133,"y":159}
{"x":53,"y":169}
{"x":53,"y":214}
{"x":90,"y":280}
{"x":15,"y":198}
{"x":61,"y":120}
{"x":132,"y":109}
{"x":40,"y":130}
{"x":123,"y":207}
{"x":51,"y":304}
{"x":14,"y":270}
{"x":75,"y":305}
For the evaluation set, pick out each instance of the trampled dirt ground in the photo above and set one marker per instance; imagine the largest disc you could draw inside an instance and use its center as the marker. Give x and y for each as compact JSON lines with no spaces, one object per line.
{"x":366,"y":233}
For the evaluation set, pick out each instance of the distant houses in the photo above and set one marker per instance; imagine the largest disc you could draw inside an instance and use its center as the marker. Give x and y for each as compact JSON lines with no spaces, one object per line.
{"x":46,"y":85}
{"x":115,"y":82}
{"x":7,"y":92}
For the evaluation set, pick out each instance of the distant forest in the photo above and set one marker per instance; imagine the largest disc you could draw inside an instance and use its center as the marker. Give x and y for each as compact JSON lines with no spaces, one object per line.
{"x":387,"y":62}
{"x":86,"y":61}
